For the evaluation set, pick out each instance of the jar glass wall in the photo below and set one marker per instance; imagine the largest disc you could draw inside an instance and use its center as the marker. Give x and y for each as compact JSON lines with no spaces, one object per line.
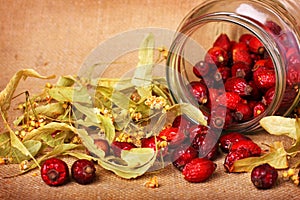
{"x":275,"y":24}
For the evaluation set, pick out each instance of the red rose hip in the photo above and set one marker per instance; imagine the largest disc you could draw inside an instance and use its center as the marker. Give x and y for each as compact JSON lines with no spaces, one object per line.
{"x":83,"y":171}
{"x":264,"y":176}
{"x":228,"y":139}
{"x":54,"y":172}
{"x":198,"y":170}
{"x":183,"y":155}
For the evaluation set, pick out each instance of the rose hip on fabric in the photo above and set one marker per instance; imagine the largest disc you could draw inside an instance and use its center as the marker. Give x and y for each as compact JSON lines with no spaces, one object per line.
{"x":83,"y":171}
{"x":54,"y":172}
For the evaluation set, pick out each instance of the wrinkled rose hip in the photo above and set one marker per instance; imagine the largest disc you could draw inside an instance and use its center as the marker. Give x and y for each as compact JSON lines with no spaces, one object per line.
{"x":83,"y":171}
{"x":54,"y":172}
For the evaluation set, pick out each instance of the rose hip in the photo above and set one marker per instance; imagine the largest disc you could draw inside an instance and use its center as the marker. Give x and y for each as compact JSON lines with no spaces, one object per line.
{"x":183,"y":155}
{"x":243,"y":112}
{"x":223,"y":41}
{"x":228,"y":139}
{"x":264,"y":176}
{"x":83,"y":171}
{"x":229,"y":100}
{"x":198,"y":170}
{"x":54,"y":172}
{"x":174,"y":136}
{"x":199,"y":91}
{"x":117,"y":147}
{"x":258,"y":109}
{"x":241,"y":69}
{"x":217,"y":56}
{"x":238,"y":85}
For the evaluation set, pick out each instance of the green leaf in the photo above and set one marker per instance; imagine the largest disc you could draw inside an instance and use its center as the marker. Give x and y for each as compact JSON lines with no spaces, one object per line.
{"x":190,"y":111}
{"x":32,"y":146}
{"x":5,"y":144}
{"x":59,"y":138}
{"x":295,"y":148}
{"x":66,"y":81}
{"x":51,"y":110}
{"x":278,"y":125}
{"x":109,"y":128}
{"x":79,"y":155}
{"x":88,"y":111}
{"x":70,"y":94}
{"x":136,"y":157}
{"x":277,"y":158}
{"x":7,"y":94}
{"x":143,"y":73}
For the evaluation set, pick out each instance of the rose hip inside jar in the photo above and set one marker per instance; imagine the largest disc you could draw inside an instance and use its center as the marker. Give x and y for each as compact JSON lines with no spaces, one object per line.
{"x":238,"y":61}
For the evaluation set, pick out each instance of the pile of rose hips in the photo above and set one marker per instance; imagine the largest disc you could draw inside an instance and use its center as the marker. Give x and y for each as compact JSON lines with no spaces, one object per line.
{"x":240,"y":76}
{"x":55,"y":172}
{"x":192,"y":149}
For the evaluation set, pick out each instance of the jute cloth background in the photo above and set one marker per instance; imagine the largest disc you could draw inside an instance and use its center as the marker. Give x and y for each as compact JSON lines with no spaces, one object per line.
{"x":54,"y":37}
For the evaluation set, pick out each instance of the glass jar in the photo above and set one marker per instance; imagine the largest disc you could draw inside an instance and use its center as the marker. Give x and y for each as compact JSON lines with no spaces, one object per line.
{"x":274,"y":23}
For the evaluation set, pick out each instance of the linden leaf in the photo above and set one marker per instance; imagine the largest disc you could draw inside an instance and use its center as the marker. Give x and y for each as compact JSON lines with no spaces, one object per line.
{"x":136,"y":157}
{"x":48,"y":129}
{"x":131,"y":170}
{"x":66,"y":81}
{"x":277,"y":157}
{"x":32,"y":146}
{"x":7,"y":94}
{"x":52,"y":110}
{"x":143,"y":72}
{"x":295,"y":148}
{"x":278,"y":125}
{"x":189,"y":110}
{"x":69,"y":94}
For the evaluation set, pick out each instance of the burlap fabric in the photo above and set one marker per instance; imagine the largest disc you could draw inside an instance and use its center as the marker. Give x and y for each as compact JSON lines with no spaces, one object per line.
{"x":54,"y":36}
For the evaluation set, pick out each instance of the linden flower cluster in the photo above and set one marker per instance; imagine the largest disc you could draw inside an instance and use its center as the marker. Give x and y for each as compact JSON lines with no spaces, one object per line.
{"x":155,"y":102}
{"x":291,"y":174}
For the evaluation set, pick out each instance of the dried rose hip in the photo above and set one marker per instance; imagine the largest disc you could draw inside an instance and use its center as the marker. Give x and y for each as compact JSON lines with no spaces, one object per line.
{"x":258,"y":109}
{"x":83,"y":171}
{"x":54,"y":172}
{"x":198,"y":170}
{"x":221,"y":117}
{"x":245,"y":38}
{"x":183,"y":155}
{"x":251,"y":146}
{"x":228,"y":139}
{"x":229,"y":100}
{"x":174,"y":136}
{"x":269,"y":96}
{"x":199,"y":91}
{"x":243,"y":112}
{"x":264,"y":79}
{"x":222,"y":74}
{"x":103,"y":145}
{"x":216,"y":55}
{"x":204,"y":140}
{"x":181,"y":122}
{"x":240,"y":53}
{"x":238,"y":85}
{"x":157,"y":144}
{"x":223,"y":41}
{"x":117,"y":147}
{"x":241,"y":69}
{"x":233,"y":156}
{"x":201,"y":69}
{"x":264,"y":176}
{"x":256,"y":46}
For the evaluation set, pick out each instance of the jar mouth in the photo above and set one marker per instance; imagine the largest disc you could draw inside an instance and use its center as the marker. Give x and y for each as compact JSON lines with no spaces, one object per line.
{"x":179,"y":57}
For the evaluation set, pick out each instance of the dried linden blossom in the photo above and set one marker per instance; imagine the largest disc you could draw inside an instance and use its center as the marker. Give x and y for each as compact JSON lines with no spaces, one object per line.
{"x":155,"y":102}
{"x":152,"y":183}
